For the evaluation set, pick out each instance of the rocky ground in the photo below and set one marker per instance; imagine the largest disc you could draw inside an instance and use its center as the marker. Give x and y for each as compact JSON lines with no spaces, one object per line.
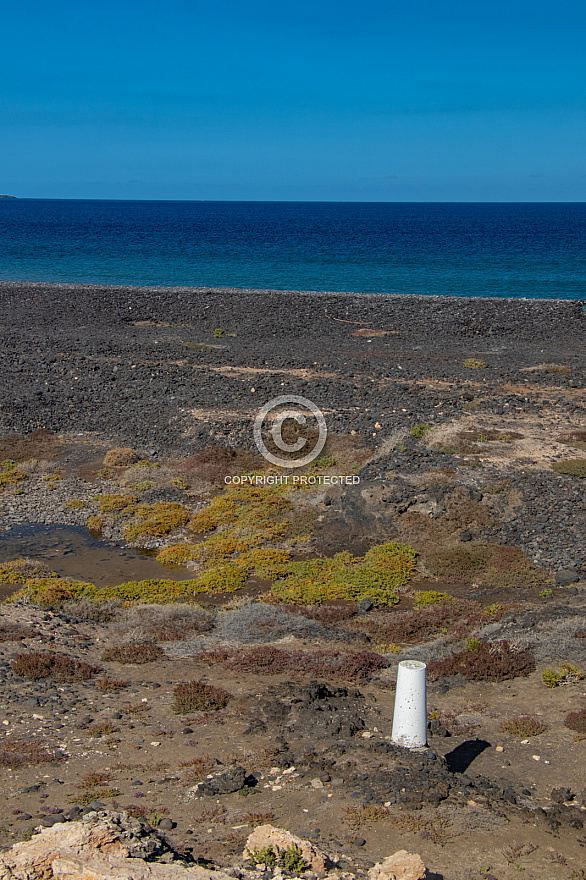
{"x":450,"y":457}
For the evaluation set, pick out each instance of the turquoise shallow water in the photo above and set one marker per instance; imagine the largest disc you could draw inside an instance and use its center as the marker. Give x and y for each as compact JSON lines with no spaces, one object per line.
{"x":502,"y":250}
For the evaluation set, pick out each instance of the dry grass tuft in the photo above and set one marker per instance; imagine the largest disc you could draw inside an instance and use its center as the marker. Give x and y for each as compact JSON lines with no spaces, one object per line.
{"x":14,"y":632}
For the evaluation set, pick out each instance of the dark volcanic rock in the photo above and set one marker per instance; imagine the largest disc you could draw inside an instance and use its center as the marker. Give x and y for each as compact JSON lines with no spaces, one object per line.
{"x":224,"y":783}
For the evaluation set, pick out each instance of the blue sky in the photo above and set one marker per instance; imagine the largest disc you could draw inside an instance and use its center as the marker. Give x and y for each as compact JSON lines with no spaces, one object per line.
{"x":418,"y":100}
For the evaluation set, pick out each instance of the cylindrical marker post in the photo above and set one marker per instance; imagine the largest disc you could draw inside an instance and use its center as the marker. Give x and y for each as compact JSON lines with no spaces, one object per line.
{"x":410,"y":718}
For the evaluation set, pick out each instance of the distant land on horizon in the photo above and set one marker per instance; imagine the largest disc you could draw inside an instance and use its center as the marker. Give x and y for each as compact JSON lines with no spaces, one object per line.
{"x":7,"y":197}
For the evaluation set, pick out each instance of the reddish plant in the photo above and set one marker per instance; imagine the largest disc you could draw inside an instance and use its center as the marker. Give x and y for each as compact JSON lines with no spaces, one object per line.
{"x":485,"y":662}
{"x":347,"y":665}
{"x":197,"y":696}
{"x":47,"y":664}
{"x":134,"y":652}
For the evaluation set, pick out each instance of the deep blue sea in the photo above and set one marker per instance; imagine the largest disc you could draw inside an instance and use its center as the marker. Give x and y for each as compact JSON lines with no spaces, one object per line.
{"x":455,"y":249}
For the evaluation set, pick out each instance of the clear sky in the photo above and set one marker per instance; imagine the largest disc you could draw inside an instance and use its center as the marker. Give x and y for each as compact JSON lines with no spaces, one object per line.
{"x":374,"y":100}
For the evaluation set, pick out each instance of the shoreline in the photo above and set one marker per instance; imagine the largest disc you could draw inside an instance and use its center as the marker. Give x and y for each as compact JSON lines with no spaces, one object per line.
{"x":176,"y":368}
{"x":72,"y":285}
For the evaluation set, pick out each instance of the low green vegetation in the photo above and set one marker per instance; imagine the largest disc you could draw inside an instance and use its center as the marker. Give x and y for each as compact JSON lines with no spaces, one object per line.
{"x":376,"y":576}
{"x":574,"y":467}
{"x":10,"y":473}
{"x":567,"y":675}
{"x":475,"y":364}
{"x":156,"y":520}
{"x":244,"y":531}
{"x":429,"y":597}
{"x":420,"y":430}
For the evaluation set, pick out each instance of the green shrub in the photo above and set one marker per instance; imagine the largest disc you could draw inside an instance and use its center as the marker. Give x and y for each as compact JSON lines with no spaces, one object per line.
{"x":420,"y":430}
{"x":157,"y":520}
{"x":118,"y":505}
{"x":375,"y":576}
{"x":429,"y":597}
{"x":264,"y":856}
{"x":567,"y":675}
{"x":474,"y":364}
{"x":323,"y":462}
{"x":10,"y":473}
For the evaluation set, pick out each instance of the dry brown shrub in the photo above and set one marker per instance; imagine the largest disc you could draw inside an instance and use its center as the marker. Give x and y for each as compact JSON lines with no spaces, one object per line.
{"x":457,"y":618}
{"x":94,"y":779}
{"x":40,"y":444}
{"x":121,"y":456}
{"x":134,"y":652}
{"x":23,"y":753}
{"x":256,"y":819}
{"x":86,"y":609}
{"x":217,"y":813}
{"x":112,"y":684}
{"x":197,"y":696}
{"x":268,"y":660}
{"x":101,"y":728}
{"x":578,"y":434}
{"x":47,"y":664}
{"x":576,"y":720}
{"x":525,"y":725}
{"x":136,"y":811}
{"x":327,"y":615}
{"x":497,"y":661}
{"x":14,"y":632}
{"x":215,"y":462}
{"x":494,"y":565}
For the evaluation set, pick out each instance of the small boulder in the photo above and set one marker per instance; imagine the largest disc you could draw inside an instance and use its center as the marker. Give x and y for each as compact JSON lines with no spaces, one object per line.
{"x":561,"y":795}
{"x":224,"y":783}
{"x":279,"y":839}
{"x":566,"y":576}
{"x":402,"y":865}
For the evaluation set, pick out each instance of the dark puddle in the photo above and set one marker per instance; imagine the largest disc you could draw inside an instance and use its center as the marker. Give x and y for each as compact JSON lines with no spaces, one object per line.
{"x":72,"y":552}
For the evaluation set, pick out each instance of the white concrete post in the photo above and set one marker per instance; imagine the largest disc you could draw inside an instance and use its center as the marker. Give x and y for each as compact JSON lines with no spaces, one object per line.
{"x":410,"y":718}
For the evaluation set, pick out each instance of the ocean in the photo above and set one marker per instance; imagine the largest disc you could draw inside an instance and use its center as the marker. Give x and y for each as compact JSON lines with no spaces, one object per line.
{"x":456,"y":249}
